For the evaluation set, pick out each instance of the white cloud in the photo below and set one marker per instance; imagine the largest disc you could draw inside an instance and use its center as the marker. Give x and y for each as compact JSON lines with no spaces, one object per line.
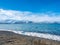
{"x":30,"y":16}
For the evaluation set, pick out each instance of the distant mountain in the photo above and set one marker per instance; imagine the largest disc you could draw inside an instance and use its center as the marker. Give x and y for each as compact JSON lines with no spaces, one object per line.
{"x":14,"y":22}
{"x":10,"y":21}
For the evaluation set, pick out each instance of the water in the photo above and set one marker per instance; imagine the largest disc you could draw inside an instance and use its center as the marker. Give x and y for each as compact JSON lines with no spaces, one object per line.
{"x":42,"y":30}
{"x":39,"y":28}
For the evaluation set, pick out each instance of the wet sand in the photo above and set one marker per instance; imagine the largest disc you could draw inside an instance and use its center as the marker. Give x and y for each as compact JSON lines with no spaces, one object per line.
{"x":10,"y":38}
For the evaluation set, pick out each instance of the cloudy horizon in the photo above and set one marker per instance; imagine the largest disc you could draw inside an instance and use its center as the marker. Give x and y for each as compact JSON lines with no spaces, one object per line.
{"x":29,"y":16}
{"x":30,"y":10}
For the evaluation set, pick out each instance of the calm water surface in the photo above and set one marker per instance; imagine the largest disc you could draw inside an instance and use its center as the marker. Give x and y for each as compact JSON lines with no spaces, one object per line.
{"x":39,"y":28}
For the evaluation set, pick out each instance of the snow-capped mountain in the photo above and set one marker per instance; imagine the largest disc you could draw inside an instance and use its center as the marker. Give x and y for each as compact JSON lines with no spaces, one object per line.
{"x":14,"y":21}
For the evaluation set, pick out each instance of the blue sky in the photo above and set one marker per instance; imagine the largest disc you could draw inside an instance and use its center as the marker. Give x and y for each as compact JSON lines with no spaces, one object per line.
{"x":30,"y":10}
{"x":31,"y":5}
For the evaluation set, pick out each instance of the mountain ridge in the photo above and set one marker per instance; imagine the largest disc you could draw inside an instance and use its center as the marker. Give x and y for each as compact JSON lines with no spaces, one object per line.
{"x":21,"y":22}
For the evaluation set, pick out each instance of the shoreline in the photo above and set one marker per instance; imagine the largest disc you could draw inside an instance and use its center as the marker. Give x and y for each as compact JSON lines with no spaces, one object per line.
{"x":34,"y":34}
{"x":11,"y":38}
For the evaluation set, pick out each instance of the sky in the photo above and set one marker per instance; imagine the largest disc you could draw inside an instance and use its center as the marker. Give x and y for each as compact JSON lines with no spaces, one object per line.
{"x":31,"y":5}
{"x":30,"y":10}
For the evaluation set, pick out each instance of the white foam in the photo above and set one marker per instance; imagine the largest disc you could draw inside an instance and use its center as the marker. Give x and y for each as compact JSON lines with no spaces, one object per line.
{"x":41,"y":35}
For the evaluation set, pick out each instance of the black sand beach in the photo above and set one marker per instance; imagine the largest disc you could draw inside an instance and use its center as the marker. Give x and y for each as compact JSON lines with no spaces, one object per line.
{"x":10,"y":38}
